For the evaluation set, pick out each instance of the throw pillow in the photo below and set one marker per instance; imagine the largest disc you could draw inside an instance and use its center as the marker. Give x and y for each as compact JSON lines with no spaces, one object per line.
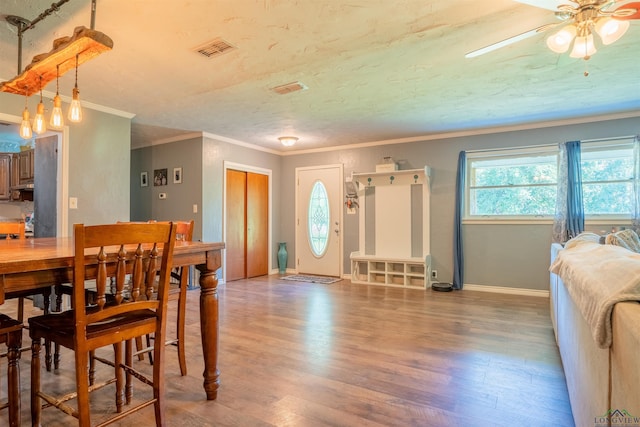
{"x":628,"y":239}
{"x":585,"y":236}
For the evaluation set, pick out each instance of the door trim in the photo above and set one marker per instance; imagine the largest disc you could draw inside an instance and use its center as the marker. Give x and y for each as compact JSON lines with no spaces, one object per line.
{"x":245,"y":168}
{"x":340,"y":167}
{"x":62,"y":202}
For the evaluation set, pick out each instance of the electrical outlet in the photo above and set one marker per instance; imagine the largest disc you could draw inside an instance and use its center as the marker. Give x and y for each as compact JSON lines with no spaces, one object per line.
{"x":434,"y":274}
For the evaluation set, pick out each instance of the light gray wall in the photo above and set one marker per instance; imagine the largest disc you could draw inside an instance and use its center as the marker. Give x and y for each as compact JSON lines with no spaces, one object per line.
{"x":498,"y":255}
{"x":99,"y":168}
{"x":141,"y":197}
{"x":145,"y":201}
{"x":202,"y":161}
{"x":99,"y":163}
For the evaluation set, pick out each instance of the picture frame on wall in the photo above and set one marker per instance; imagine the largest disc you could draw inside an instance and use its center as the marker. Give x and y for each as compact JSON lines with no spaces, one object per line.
{"x":159,"y":177}
{"x":177,"y":175}
{"x":144,"y":179}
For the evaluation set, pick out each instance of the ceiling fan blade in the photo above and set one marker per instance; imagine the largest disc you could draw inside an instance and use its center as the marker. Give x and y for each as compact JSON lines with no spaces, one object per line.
{"x":510,"y":40}
{"x":547,"y":4}
{"x":633,"y":5}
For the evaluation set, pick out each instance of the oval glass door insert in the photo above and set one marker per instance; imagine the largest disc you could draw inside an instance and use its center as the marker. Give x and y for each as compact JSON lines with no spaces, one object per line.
{"x":318,"y":220}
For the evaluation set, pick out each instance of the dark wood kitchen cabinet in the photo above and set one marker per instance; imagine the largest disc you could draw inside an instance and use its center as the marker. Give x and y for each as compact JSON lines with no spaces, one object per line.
{"x":25,"y":165}
{"x":5,"y":176}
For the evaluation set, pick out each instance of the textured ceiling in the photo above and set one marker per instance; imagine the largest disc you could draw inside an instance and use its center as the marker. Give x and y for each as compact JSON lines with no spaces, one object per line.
{"x":376,"y":70}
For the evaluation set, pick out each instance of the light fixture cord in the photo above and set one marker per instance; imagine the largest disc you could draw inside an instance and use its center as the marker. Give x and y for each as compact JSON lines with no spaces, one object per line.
{"x":77,"y":71}
{"x":57,"y":78}
{"x":41,"y":88}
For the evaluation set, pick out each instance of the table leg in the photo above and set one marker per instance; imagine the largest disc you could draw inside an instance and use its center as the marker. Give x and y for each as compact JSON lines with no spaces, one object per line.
{"x":209,"y":330}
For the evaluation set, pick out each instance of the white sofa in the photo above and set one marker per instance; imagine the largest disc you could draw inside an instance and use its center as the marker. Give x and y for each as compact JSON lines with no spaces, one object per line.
{"x":599,"y":380}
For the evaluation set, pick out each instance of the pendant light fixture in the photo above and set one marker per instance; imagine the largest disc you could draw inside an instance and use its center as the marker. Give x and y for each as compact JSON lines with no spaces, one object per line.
{"x":85,"y":44}
{"x":25,"y":125}
{"x":39,"y":123}
{"x":57,"y":121}
{"x":75,"y":110}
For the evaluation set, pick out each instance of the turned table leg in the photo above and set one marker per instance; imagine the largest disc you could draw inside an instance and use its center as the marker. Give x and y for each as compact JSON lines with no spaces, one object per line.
{"x":209,"y":323}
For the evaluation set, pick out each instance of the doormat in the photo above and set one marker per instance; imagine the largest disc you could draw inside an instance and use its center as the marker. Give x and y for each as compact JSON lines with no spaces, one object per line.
{"x":313,"y":279}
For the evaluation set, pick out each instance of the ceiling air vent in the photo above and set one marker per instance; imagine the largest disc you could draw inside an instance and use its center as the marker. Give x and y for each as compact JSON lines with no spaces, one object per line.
{"x":289,"y":87}
{"x":215,"y":48}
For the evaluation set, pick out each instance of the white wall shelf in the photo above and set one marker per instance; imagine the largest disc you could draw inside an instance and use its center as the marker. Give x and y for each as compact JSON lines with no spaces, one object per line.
{"x":398,"y":177}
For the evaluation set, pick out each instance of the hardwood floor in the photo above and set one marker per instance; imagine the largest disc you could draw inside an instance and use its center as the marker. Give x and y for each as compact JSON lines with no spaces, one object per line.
{"x":300,"y":354}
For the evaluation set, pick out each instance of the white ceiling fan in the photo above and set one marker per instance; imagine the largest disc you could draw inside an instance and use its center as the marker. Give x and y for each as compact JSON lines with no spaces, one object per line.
{"x":580,"y":20}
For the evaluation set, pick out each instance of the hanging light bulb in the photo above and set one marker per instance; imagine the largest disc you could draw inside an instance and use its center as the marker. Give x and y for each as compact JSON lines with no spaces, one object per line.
{"x":610,"y":29}
{"x":57,"y":121}
{"x":39,"y":123}
{"x":583,"y":47}
{"x":560,"y":41}
{"x":25,"y":125}
{"x":75,"y":110}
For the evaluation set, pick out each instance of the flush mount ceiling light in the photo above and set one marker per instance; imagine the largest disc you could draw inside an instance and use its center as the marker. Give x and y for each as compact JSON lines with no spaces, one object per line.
{"x":288,"y":141}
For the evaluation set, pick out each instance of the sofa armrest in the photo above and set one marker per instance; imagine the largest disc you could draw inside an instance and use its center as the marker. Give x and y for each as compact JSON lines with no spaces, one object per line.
{"x":625,"y":358}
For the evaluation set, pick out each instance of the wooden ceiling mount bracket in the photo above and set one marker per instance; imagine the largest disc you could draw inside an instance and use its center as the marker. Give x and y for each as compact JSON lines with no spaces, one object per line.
{"x":85,"y":43}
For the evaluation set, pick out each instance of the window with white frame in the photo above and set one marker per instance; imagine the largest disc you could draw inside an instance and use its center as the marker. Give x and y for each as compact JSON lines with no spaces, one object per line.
{"x":607,"y":178}
{"x":521,"y":183}
{"x":518,"y":183}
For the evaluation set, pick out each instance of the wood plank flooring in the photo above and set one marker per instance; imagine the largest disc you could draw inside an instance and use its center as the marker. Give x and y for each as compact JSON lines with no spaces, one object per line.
{"x":301,"y":354}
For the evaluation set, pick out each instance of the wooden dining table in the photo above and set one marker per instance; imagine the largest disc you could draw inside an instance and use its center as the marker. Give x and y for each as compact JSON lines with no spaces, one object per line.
{"x":31,"y":264}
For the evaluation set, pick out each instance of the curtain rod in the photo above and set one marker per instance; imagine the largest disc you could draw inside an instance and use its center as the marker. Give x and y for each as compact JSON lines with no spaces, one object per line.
{"x":526,"y":147}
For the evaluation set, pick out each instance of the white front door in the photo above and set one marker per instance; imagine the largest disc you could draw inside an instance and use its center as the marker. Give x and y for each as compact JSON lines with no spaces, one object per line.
{"x":319,"y":220}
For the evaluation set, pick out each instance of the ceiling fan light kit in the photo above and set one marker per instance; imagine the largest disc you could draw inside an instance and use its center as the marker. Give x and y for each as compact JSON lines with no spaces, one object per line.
{"x":584,"y":18}
{"x":610,"y":30}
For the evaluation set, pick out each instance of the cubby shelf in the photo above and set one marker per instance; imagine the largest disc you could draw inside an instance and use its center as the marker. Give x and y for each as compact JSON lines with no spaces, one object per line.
{"x":407,"y":273}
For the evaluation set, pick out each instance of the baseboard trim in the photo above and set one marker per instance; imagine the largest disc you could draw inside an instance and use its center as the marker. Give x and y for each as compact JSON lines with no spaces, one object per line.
{"x":506,"y":290}
{"x":288,"y":271}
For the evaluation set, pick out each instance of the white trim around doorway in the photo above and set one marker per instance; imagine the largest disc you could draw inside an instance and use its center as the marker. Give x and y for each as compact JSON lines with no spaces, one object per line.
{"x":245,"y":168}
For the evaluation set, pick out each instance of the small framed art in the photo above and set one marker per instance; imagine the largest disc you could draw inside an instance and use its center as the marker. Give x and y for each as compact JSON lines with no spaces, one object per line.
{"x":177,"y":175}
{"x":159,"y":177}
{"x":144,"y":179}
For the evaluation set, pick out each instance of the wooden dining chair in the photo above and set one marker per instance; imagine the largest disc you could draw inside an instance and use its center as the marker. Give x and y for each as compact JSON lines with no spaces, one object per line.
{"x":16,"y":230}
{"x":132,"y":255}
{"x":177,"y":290}
{"x":11,"y":335}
